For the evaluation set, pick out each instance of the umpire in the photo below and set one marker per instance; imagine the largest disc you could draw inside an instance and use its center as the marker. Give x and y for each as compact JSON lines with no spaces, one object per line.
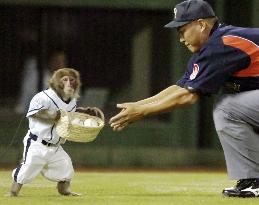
{"x":224,"y":57}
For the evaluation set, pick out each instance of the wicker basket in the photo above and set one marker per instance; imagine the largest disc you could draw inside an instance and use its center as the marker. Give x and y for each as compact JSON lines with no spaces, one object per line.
{"x":78,"y":132}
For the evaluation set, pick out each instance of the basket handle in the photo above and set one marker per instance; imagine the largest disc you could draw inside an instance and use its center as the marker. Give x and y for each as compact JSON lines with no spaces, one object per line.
{"x":98,"y":113}
{"x":92,"y":110}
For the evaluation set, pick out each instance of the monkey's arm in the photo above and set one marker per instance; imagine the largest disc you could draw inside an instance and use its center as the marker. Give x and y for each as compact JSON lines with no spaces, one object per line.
{"x":47,"y":115}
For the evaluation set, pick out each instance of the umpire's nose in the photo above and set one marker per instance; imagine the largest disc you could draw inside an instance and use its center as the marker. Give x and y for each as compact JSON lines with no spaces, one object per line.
{"x":181,"y":39}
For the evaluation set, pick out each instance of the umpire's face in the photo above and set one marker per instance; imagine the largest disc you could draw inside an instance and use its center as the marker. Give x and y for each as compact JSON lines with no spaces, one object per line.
{"x":194,"y":34}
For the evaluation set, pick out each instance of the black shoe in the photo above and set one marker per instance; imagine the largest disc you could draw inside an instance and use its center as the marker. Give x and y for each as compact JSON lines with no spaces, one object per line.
{"x":244,"y":188}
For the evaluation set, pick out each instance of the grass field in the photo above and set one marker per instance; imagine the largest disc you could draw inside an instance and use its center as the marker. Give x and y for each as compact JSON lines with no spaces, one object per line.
{"x":128,"y":188}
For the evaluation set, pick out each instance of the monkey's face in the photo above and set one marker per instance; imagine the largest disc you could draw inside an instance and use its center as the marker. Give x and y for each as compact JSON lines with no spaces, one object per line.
{"x":68,"y":83}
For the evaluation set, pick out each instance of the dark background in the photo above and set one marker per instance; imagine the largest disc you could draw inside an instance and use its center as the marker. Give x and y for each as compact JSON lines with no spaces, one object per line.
{"x":97,"y":40}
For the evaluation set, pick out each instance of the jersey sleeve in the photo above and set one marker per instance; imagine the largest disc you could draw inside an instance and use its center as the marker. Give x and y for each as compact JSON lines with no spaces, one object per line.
{"x":181,"y":82}
{"x":38,"y":102}
{"x":211,"y":68}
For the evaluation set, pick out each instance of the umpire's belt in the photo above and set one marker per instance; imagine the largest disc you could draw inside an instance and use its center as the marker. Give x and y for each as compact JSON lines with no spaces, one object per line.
{"x":36,"y":138}
{"x":231,"y":87}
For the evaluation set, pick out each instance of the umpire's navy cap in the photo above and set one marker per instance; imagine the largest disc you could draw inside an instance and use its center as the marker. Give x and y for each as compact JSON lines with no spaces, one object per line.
{"x":188,"y":11}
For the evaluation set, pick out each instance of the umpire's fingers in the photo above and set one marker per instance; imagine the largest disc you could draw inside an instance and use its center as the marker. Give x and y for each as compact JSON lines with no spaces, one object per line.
{"x":120,"y":127}
{"x":119,"y":119}
{"x":123,"y":106}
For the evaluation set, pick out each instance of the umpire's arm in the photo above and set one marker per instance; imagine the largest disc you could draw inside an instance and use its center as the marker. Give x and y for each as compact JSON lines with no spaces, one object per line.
{"x":168,"y":99}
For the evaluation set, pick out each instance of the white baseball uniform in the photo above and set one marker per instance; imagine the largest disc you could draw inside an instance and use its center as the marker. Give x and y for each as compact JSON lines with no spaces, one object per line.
{"x":42,"y":145}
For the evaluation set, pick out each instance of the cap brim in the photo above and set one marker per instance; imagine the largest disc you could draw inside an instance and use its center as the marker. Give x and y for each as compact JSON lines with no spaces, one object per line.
{"x":176,"y":24}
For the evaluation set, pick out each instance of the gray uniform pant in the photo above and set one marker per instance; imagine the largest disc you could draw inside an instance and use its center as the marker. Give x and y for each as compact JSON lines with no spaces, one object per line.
{"x":236,"y":118}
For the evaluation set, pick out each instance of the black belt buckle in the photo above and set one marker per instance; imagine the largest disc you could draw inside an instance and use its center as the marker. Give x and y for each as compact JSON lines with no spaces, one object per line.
{"x":46,"y":143}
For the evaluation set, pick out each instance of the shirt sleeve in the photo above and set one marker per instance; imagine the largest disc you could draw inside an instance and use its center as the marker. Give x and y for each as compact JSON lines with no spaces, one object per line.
{"x":209,"y":69}
{"x":181,"y":82}
{"x":38,"y":102}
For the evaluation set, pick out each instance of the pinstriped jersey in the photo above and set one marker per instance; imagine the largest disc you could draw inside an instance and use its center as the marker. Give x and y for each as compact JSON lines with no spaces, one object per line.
{"x":231,"y":55}
{"x":49,"y":101}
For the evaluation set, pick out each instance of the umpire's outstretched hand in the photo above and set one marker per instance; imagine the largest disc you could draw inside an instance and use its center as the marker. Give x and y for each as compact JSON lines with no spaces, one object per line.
{"x":130,"y":112}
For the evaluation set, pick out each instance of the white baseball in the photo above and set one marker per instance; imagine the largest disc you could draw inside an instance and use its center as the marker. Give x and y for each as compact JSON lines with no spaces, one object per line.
{"x":77,"y":121}
{"x":90,"y":123}
{"x":65,"y":118}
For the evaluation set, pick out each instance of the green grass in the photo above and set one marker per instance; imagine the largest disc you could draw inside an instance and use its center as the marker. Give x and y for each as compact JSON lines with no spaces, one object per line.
{"x":128,"y":188}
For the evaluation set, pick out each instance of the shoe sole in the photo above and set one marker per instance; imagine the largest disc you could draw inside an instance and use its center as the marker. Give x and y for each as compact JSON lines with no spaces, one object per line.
{"x":243,"y":195}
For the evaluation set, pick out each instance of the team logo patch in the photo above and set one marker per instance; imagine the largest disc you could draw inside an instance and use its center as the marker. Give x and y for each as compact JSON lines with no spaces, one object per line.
{"x":194,"y":71}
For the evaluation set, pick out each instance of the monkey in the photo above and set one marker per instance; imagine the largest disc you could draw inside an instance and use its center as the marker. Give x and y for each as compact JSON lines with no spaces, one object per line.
{"x":42,"y":145}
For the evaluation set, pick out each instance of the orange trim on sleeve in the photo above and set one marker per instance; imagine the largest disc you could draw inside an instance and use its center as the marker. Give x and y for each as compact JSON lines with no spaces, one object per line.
{"x":250,"y":49}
